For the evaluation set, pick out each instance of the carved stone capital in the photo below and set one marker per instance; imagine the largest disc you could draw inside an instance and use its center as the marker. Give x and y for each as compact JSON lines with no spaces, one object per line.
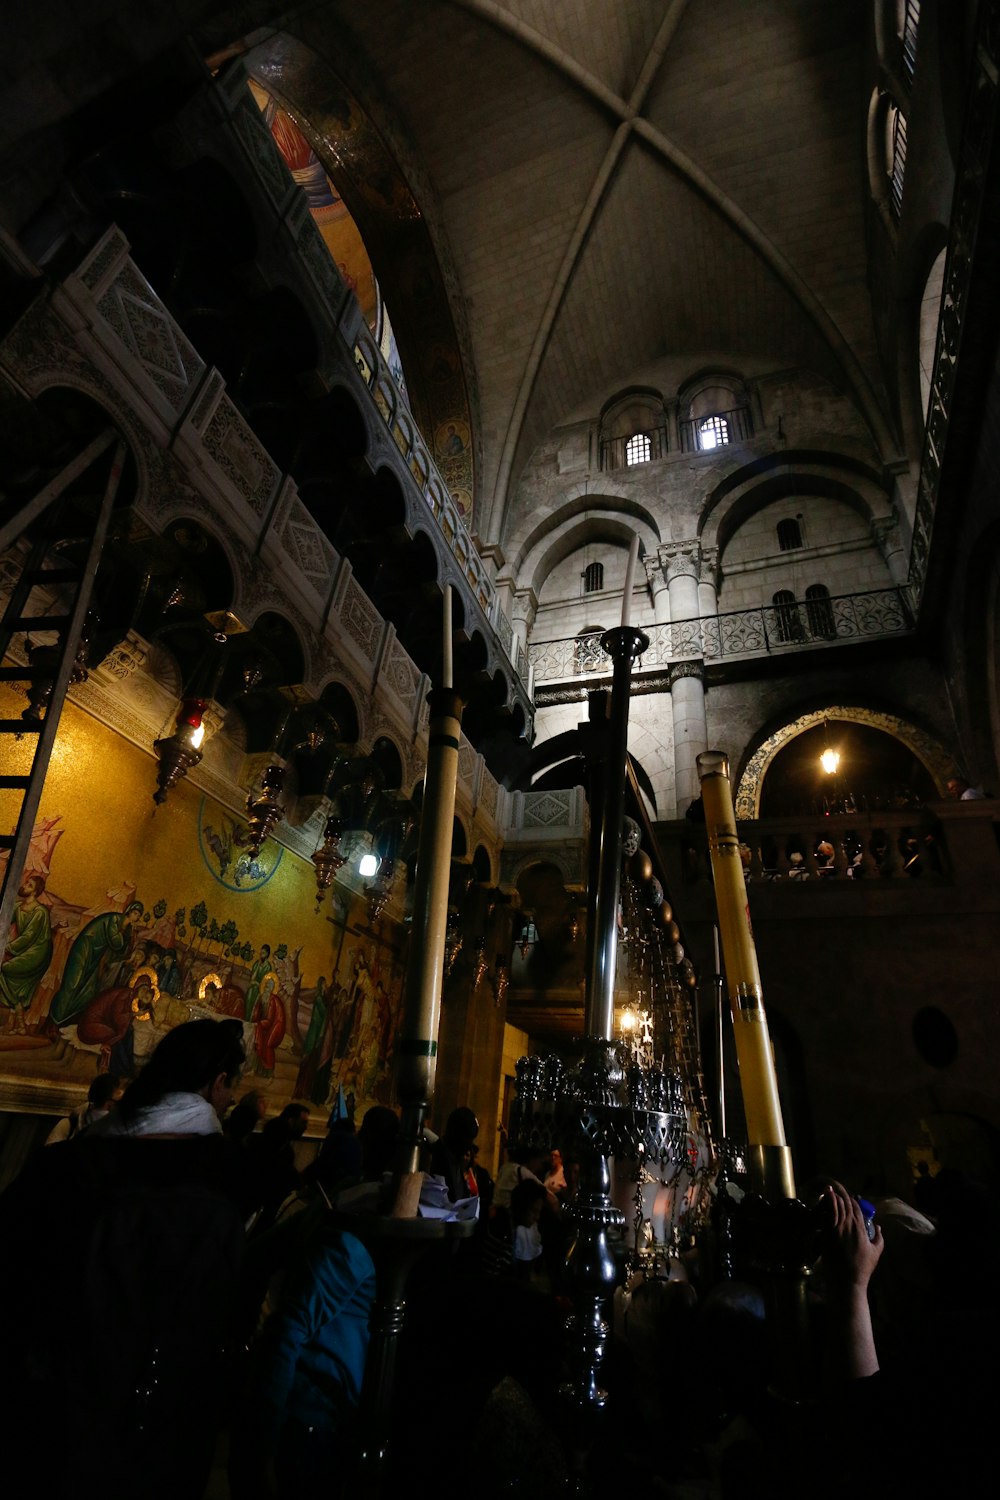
{"x":524,"y":607}
{"x":681,"y":669}
{"x":708,"y":572}
{"x":680,"y":559}
{"x":886,"y":535}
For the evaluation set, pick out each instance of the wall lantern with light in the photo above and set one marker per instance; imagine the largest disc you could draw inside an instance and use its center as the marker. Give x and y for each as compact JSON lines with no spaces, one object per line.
{"x":181,"y":751}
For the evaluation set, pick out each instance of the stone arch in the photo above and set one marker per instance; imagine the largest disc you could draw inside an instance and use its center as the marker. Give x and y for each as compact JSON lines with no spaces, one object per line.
{"x":527,"y":555}
{"x":750,"y":487}
{"x":552,"y":857}
{"x":201,"y":517}
{"x":382,"y":747}
{"x":710,"y":394}
{"x":333,"y":689}
{"x":267,"y":607}
{"x":129,"y":428}
{"x":483,"y":864}
{"x":635,"y":412}
{"x":616,"y":527}
{"x":461,"y":829}
{"x":929,"y":751}
{"x":878,"y":181}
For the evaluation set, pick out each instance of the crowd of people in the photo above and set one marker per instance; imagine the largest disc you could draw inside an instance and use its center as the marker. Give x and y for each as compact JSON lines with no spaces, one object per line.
{"x":191,"y":1277}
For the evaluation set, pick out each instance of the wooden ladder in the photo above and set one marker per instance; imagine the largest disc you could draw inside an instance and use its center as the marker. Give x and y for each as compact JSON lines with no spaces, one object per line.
{"x":40,"y":572}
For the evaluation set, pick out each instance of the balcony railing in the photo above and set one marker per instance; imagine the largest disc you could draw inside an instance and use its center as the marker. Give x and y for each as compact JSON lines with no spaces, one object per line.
{"x":634,"y":448}
{"x":942,"y":843}
{"x":715,"y":429}
{"x":768,"y":630}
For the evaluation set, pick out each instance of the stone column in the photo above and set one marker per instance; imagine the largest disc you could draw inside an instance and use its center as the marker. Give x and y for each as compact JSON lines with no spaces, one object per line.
{"x":657,"y":579}
{"x":687,"y":702}
{"x":889,"y":541}
{"x":708,"y":582}
{"x":682,"y":563}
{"x":522,"y":614}
{"x":708,"y":601}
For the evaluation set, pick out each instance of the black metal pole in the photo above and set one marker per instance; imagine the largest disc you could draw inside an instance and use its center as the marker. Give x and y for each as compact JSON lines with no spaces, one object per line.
{"x":623,"y":646}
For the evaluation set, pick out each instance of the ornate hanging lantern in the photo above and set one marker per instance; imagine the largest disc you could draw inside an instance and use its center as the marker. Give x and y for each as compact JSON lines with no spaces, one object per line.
{"x":481,"y":965}
{"x":328,"y":858}
{"x":501,"y":980}
{"x":378,"y":894}
{"x":181,"y":751}
{"x":452,"y":942}
{"x":264,"y":810}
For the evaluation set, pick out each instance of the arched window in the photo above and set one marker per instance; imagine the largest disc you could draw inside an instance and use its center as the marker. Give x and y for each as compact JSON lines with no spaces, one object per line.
{"x":930,"y":311}
{"x":637,"y":449}
{"x":713,"y":432}
{"x":787,"y":621}
{"x":633,"y":429}
{"x":789,"y":534}
{"x":593,"y":578}
{"x":714,"y":412}
{"x":819,"y":613}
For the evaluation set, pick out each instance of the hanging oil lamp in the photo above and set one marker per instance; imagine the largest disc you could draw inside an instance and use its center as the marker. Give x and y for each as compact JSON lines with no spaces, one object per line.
{"x":264,"y":810}
{"x":180,"y":752}
{"x":328,"y":859}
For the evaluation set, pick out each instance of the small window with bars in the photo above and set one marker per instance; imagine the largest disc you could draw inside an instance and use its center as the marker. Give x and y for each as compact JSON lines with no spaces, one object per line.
{"x":789,"y":534}
{"x":819,"y":612}
{"x":911,"y":24}
{"x":637,"y":449}
{"x":787,"y":620}
{"x":593,"y":578}
{"x":896,"y":128}
{"x":713,"y":432}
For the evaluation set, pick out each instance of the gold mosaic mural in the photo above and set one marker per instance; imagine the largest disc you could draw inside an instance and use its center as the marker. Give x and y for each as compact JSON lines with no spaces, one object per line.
{"x":129,"y":923}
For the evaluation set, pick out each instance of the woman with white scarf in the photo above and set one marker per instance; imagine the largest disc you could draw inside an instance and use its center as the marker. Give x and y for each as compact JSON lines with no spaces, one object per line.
{"x":133,"y":1234}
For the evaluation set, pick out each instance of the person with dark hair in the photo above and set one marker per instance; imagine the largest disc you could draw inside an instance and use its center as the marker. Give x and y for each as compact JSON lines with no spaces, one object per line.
{"x":273,"y":1157}
{"x":139,"y":1222}
{"x":100,"y":1101}
{"x":294,"y":1427}
{"x":187,"y":1084}
{"x":243,"y":1118}
{"x":448,"y":1153}
{"x":527,"y":1200}
{"x":339,"y":1158}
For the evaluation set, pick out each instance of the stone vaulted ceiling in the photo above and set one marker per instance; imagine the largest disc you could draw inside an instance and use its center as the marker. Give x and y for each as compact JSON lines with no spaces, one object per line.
{"x":607,"y":183}
{"x":620,"y":180}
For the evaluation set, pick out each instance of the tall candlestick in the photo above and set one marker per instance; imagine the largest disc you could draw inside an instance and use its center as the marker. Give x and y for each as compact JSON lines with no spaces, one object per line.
{"x":416,"y":1050}
{"x":447,"y":667}
{"x":633,"y":558}
{"x":770,"y":1155}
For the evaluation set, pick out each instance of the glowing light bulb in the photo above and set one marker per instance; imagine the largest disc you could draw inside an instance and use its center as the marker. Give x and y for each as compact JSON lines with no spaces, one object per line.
{"x":197,"y":736}
{"x":367,"y":865}
{"x":830,"y":760}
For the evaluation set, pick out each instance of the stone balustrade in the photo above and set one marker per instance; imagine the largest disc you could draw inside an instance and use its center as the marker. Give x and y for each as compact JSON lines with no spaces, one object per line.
{"x":736,"y":635}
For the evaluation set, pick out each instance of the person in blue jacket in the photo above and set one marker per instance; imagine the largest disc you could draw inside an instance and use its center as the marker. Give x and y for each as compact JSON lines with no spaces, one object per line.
{"x":306,"y":1368}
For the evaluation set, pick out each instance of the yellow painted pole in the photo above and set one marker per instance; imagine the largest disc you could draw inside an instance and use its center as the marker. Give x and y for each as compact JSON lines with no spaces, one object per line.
{"x":416,"y":1056}
{"x":770,"y":1158}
